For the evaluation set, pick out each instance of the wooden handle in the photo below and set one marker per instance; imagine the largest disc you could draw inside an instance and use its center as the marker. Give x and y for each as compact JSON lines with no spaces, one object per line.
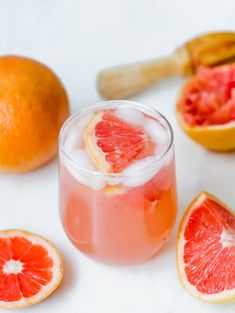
{"x":128,"y":80}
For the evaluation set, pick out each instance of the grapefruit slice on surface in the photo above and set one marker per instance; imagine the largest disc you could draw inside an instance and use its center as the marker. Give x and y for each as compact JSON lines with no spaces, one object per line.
{"x":206,"y":107}
{"x":206,"y":250}
{"x":113,"y":144}
{"x":30,"y":269}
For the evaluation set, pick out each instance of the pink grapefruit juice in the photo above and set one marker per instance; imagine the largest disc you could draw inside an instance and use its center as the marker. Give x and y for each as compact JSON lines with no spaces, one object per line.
{"x":117,"y":182}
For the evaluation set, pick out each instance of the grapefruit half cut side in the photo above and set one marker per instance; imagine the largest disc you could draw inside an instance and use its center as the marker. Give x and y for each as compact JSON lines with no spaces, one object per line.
{"x":206,"y":107}
{"x":113,"y":143}
{"x":206,"y":250}
{"x":30,"y":269}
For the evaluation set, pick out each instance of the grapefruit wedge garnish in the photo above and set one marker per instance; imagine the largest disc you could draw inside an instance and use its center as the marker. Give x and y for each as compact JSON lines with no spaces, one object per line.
{"x":206,"y":107}
{"x":206,"y":250}
{"x":30,"y":269}
{"x":113,"y":143}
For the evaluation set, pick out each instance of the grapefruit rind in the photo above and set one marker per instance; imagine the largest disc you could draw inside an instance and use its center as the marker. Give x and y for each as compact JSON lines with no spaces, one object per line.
{"x":57,"y":269}
{"x":221,"y":297}
{"x":92,"y":148}
{"x":220,"y":138}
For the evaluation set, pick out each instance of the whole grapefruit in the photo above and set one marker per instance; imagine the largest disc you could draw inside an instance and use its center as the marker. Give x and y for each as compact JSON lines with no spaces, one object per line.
{"x":33,"y":107}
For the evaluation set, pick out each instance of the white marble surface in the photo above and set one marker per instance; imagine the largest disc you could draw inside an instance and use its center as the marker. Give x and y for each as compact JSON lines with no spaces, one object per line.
{"x":77,"y":38}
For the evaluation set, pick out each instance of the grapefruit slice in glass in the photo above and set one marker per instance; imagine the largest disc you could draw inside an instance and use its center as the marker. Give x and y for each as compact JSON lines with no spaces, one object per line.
{"x":206,"y":107}
{"x":113,"y":143}
{"x":30,"y":269}
{"x":206,"y":250}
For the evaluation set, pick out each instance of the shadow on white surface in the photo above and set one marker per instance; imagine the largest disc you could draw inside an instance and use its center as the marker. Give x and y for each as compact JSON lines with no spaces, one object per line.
{"x":218,"y":176}
{"x":69,"y":279}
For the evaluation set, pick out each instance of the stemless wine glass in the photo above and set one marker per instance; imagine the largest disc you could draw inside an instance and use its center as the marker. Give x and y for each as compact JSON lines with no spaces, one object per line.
{"x":117,"y":218}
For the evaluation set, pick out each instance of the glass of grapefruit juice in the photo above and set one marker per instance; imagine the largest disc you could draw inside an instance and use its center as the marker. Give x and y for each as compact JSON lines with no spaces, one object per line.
{"x":117,"y":181}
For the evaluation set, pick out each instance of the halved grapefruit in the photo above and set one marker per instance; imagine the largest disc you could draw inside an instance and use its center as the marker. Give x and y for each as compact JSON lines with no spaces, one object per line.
{"x":30,"y":269}
{"x":206,"y":250}
{"x":206,"y":107}
{"x":113,"y":143}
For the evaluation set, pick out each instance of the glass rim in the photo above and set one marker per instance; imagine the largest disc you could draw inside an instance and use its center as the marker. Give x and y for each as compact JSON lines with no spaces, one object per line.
{"x":101,"y":104}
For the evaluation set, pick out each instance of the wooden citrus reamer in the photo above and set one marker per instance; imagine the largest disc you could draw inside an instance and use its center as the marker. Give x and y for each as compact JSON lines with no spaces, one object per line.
{"x":127,"y":80}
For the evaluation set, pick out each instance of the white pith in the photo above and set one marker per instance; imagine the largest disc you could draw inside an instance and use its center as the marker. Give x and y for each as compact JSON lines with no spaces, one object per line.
{"x":222,"y":126}
{"x":227,"y":239}
{"x":223,"y":296}
{"x":56,"y":270}
{"x":210,"y":127}
{"x":13,"y":267}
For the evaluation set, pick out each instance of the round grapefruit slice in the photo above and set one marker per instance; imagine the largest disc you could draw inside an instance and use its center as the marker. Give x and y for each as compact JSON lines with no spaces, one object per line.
{"x":30,"y":269}
{"x":113,"y":144}
{"x":206,"y":250}
{"x":206,"y":107}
